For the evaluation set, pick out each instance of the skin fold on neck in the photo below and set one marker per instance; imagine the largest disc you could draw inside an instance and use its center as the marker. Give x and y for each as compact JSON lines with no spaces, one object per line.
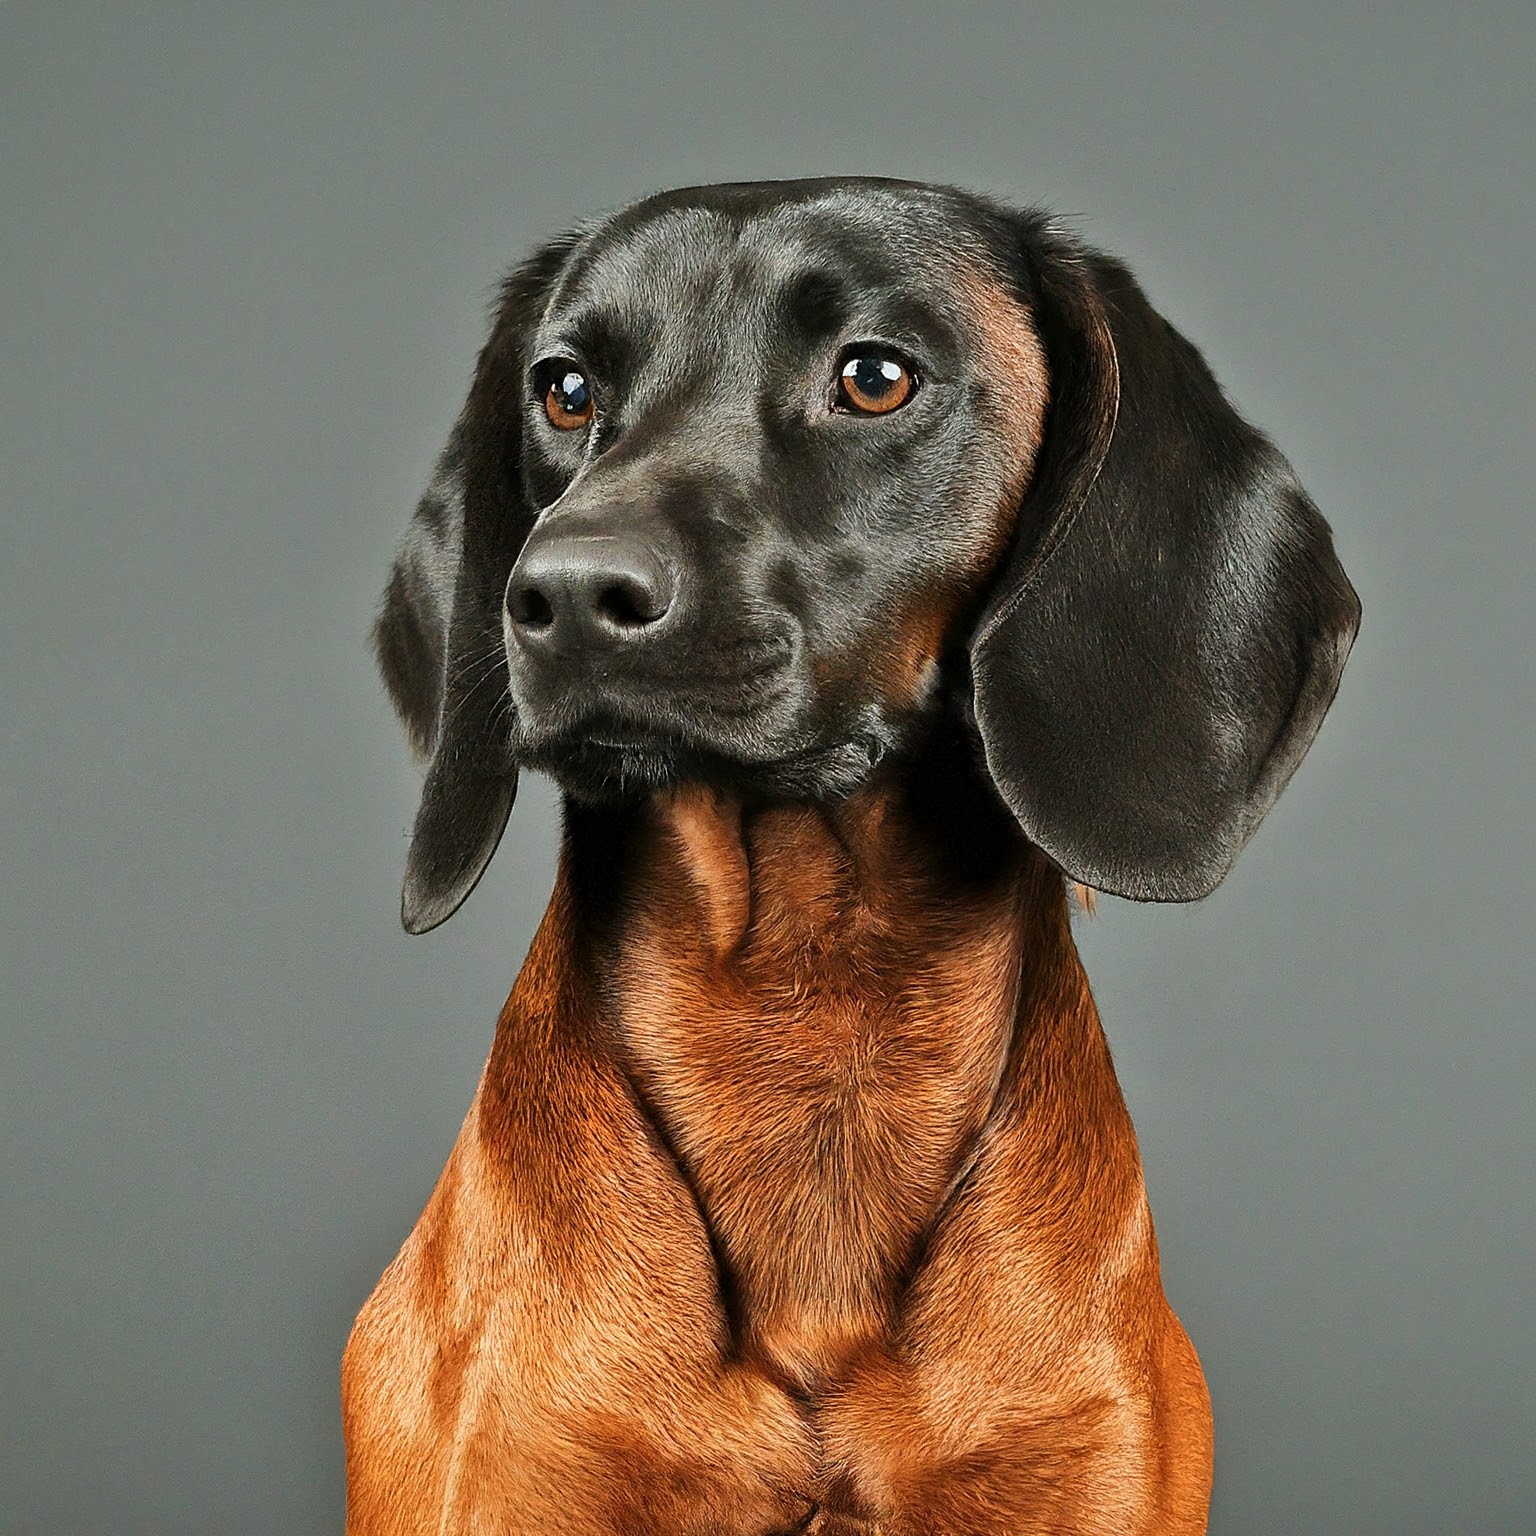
{"x":817,"y":1006}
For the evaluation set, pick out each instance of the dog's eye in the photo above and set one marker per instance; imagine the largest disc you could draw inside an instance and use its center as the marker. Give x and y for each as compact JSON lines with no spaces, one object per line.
{"x":874,"y":383}
{"x":568,"y":399}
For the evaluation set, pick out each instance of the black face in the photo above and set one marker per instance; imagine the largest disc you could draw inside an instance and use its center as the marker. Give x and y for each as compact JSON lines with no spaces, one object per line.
{"x":758,"y":484}
{"x":768,"y":457}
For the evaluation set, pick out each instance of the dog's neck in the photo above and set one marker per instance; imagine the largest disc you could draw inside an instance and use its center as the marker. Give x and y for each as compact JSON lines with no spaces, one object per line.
{"x":818,"y":1006}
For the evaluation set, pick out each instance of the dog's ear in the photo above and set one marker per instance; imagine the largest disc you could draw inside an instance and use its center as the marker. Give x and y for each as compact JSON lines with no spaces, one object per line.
{"x":438,"y":637}
{"x":410,"y":636}
{"x":1169,"y":629}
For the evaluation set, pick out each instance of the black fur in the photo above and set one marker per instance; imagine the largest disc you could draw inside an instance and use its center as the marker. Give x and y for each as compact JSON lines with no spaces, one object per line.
{"x":1144,"y":669}
{"x":1154,"y":666}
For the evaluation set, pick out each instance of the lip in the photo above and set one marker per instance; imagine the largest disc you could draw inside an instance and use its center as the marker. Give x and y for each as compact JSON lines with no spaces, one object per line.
{"x":605,"y":760}
{"x":566,"y":731}
{"x":612,"y":743}
{"x":669,"y":714}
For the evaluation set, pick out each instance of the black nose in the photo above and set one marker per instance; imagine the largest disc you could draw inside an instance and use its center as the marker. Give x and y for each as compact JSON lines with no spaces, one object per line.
{"x":583,"y":588}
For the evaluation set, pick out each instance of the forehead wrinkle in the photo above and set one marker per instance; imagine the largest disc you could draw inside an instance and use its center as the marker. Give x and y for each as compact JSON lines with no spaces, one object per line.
{"x":678,"y":254}
{"x":902,"y":281}
{"x":814,"y":303}
{"x":688,"y":288}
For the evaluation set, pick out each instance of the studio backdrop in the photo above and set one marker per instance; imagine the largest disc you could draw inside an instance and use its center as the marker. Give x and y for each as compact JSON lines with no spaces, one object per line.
{"x":246,"y":256}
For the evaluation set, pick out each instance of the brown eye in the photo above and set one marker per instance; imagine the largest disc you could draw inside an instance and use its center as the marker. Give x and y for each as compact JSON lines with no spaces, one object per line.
{"x":568,"y":400}
{"x":874,"y":384}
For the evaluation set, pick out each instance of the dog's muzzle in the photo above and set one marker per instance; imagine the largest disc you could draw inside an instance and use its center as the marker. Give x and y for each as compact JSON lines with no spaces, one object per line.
{"x":591,"y":592}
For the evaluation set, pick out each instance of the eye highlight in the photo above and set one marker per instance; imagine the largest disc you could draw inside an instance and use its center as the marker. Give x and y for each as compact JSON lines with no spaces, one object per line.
{"x":567,"y":396}
{"x":873,"y":384}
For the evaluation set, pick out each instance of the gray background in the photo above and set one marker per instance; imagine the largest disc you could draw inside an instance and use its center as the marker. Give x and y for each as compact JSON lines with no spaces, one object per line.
{"x":244,"y":258}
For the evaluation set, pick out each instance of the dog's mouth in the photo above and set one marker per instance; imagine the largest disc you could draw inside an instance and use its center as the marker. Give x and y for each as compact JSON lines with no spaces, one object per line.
{"x":604,"y":758}
{"x":758,"y":720}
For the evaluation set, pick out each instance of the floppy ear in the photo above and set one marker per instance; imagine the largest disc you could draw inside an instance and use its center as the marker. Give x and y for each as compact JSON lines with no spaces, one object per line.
{"x":410,"y":636}
{"x":1169,"y":630}
{"x":438,"y":637}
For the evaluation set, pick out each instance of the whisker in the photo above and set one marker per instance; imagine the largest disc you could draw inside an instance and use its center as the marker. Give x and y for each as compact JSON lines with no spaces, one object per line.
{"x":472,"y":689}
{"x":473,"y":657}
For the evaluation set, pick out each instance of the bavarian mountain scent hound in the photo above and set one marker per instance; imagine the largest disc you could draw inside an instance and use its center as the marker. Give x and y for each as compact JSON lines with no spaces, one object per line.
{"x":865,"y":561}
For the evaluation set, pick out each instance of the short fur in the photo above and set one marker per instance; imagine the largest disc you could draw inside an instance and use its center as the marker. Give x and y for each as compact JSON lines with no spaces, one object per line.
{"x":798,"y":1193}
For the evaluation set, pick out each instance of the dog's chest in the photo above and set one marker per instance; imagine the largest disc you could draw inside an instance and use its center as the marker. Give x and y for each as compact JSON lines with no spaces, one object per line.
{"x":821,"y":1086}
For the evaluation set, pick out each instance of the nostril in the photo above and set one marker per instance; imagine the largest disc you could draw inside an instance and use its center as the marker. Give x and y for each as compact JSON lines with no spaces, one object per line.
{"x":629,"y":604}
{"x":530,"y":609}
{"x":586,"y":588}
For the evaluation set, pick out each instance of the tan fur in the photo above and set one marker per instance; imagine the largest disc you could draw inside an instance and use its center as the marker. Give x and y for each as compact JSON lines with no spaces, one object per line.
{"x":1038,"y":1380}
{"x":539,"y":1359}
{"x":1015,"y":381}
{"x":1012,"y":361}
{"x":893,"y":1103}
{"x":823,"y":1081}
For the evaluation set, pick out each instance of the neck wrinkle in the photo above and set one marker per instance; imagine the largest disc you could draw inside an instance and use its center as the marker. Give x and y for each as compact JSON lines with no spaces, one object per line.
{"x":819,"y":1008}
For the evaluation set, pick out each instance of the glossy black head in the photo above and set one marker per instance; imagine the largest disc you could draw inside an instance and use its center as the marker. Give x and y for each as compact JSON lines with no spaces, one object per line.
{"x":768,"y":457}
{"x":757,"y":484}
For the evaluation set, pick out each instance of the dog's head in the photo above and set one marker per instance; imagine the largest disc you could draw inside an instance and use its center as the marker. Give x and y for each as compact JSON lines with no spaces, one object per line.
{"x":758,"y":484}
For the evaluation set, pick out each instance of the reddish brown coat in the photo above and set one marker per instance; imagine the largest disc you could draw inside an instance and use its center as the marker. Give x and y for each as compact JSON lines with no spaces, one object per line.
{"x":887,"y":1106}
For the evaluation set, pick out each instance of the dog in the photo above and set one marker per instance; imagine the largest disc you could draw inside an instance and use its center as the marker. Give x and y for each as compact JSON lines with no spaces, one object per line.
{"x":867,"y":562}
